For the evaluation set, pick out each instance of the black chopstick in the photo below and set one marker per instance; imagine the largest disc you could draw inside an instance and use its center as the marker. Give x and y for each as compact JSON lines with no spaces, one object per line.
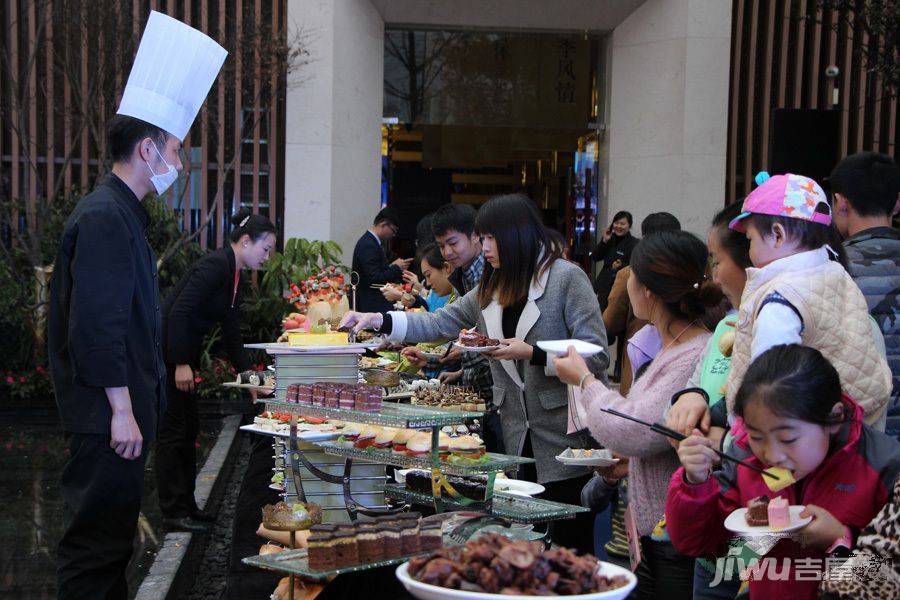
{"x":679,"y":436}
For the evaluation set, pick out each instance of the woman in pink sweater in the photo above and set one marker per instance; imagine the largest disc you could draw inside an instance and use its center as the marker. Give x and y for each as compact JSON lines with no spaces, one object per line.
{"x":669,"y":288}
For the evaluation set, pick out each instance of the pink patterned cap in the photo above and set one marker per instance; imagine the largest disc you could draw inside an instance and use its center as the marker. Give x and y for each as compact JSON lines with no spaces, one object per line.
{"x":789,"y":195}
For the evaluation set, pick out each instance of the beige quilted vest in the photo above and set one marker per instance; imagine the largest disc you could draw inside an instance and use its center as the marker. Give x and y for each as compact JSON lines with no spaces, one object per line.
{"x":835,"y":322}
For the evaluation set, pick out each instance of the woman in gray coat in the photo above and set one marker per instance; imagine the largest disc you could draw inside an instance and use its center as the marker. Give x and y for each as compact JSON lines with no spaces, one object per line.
{"x":528,"y":293}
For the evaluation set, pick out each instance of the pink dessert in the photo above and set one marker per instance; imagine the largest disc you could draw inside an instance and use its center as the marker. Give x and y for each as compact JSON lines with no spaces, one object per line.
{"x":779,"y":513}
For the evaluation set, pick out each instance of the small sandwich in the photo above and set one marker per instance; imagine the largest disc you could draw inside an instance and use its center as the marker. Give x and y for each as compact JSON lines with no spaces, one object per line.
{"x":366,"y":437}
{"x":419,"y":444}
{"x":385,"y":437}
{"x":444,"y":442}
{"x":350,"y":434}
{"x":467,"y":447}
{"x":400,"y":438}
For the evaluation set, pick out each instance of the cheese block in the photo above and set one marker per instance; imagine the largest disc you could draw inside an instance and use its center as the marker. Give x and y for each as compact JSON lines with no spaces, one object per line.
{"x":301,"y":338}
{"x":783,"y":478}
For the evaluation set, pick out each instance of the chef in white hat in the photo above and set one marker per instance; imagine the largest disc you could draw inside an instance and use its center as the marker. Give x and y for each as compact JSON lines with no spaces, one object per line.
{"x":105,"y":323}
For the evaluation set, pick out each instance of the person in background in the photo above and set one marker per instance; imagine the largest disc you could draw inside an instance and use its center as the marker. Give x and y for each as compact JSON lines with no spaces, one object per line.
{"x":424,"y":234}
{"x":865,"y":189}
{"x":614,"y":249}
{"x":371,"y":262}
{"x":436,"y":271}
{"x":453,"y":227}
{"x":618,"y":317}
{"x":529,"y":293}
{"x":207,"y":295}
{"x":668,"y":287}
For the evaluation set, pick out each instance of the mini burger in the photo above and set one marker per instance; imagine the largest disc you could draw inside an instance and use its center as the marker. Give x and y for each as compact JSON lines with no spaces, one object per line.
{"x":400,"y":438}
{"x":467,"y":446}
{"x":419,"y":444}
{"x":444,"y":442}
{"x":366,"y":437}
{"x":350,"y":434}
{"x":385,"y":437}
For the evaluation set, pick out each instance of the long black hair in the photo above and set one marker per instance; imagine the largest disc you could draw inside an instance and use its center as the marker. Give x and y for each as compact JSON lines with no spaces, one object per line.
{"x":795,"y":382}
{"x":246,"y":223}
{"x":524,"y":247}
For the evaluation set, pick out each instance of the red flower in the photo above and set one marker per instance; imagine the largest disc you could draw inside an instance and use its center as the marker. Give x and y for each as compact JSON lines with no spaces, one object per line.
{"x":22,"y":379}
{"x":39,"y":369}
{"x":10,"y":380}
{"x":198,"y":379}
{"x":9,"y":445}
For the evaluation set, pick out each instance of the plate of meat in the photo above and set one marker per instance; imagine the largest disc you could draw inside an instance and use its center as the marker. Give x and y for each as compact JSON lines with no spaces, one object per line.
{"x":472,"y":341}
{"x":517,"y":567}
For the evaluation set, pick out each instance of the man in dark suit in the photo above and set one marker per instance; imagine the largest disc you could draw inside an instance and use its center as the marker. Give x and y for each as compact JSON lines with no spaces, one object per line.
{"x":371,"y":262}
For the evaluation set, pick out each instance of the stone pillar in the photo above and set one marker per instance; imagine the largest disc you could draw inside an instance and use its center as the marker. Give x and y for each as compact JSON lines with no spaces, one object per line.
{"x":333,"y":122}
{"x":668,"y":111}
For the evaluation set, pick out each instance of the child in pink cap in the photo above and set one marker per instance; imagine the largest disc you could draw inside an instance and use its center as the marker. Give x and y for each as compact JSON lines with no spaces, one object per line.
{"x":799,"y":292}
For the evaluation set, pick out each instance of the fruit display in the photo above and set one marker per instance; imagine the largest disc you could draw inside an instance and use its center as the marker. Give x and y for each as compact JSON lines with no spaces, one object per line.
{"x":322,"y":296}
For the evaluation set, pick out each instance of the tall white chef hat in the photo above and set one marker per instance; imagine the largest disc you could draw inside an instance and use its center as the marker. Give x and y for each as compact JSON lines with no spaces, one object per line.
{"x":174,"y":68}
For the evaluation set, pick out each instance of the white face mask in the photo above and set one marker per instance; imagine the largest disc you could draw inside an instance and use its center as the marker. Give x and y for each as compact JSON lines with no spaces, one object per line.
{"x":163,"y":181}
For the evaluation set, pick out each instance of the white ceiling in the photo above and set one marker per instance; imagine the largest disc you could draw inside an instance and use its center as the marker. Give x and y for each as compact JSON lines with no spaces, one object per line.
{"x":553,"y":15}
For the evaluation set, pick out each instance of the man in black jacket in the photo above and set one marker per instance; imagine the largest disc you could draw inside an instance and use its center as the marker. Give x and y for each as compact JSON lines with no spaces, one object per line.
{"x":371,"y":262}
{"x":105,"y":326}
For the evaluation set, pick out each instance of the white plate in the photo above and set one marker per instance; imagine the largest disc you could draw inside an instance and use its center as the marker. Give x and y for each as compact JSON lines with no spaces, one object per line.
{"x":501,"y":484}
{"x":737,"y":523}
{"x":268,"y":389}
{"x":517,"y":487}
{"x":424,"y":591}
{"x":598,"y":458}
{"x":560,"y":347}
{"x":306,"y":436}
{"x":475,"y":348}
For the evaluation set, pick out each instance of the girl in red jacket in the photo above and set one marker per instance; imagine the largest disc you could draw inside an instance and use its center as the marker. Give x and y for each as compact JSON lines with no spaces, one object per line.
{"x":791,"y":415}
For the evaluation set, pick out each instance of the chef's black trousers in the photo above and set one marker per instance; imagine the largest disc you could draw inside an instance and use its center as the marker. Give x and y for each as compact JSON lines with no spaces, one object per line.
{"x":101,"y":493}
{"x":176,"y":452}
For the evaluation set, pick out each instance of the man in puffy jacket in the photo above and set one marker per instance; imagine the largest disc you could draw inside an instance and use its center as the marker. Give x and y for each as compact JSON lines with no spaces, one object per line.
{"x":866,"y":193}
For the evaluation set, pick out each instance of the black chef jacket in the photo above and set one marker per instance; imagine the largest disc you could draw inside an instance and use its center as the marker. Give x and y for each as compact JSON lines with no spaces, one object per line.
{"x":105,"y":324}
{"x":204,"y":296}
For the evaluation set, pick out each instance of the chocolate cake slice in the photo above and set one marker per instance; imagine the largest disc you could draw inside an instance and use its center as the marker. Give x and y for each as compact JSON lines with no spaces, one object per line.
{"x":758,"y":512}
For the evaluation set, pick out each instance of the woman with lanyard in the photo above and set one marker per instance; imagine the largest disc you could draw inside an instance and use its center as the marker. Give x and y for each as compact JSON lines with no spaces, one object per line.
{"x":528,"y":293}
{"x":207,"y":295}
